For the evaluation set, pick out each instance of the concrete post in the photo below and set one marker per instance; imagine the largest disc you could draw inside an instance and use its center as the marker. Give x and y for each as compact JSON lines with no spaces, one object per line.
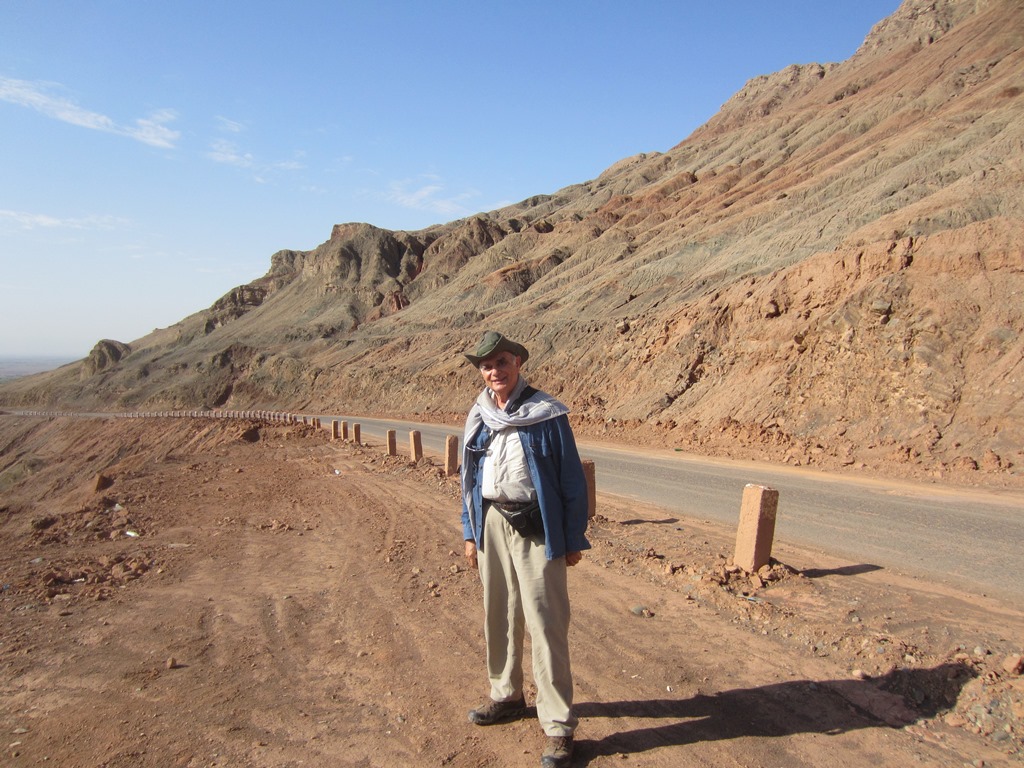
{"x":590,"y":473}
{"x":415,"y":445}
{"x":392,"y":448}
{"x":756,"y":530}
{"x":451,"y":455}
{"x":356,"y":434}
{"x":344,"y":430}
{"x":335,"y":429}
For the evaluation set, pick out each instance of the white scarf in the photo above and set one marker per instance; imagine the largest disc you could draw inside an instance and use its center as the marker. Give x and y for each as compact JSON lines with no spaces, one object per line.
{"x":538,"y":407}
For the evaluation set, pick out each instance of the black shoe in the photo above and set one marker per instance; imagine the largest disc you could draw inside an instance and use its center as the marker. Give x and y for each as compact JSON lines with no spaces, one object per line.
{"x":557,"y":752}
{"x":496,"y":711}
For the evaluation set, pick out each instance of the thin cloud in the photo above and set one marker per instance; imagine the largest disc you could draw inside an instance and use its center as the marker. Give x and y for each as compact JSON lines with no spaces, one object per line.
{"x":151,"y":130}
{"x":229,"y":126}
{"x":429,"y":196}
{"x":29,"y":221}
{"x":295,"y":164}
{"x":227,"y":152}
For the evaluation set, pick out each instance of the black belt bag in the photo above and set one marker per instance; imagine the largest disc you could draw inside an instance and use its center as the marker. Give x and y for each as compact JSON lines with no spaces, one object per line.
{"x":523,"y":516}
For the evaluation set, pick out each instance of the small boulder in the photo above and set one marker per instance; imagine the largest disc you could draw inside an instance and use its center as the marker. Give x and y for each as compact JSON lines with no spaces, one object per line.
{"x":1014,"y":664}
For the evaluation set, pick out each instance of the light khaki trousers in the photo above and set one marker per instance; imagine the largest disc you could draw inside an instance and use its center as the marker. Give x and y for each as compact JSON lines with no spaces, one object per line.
{"x":523,"y":589}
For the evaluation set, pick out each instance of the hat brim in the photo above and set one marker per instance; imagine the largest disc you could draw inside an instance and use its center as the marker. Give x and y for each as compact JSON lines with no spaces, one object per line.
{"x":502,"y":345}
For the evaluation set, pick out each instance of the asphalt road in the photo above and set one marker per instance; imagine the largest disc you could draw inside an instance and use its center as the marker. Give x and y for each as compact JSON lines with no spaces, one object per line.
{"x":970,"y":540}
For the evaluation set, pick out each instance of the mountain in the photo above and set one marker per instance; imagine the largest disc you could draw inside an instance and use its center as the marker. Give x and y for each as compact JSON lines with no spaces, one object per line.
{"x":830,"y":271}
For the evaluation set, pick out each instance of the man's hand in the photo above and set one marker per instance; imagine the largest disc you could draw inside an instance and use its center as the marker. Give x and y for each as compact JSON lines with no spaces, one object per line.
{"x":471,"y":553}
{"x":571,"y":558}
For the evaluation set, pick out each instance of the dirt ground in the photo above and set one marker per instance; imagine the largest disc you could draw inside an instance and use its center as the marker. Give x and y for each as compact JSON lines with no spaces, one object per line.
{"x":191,"y":592}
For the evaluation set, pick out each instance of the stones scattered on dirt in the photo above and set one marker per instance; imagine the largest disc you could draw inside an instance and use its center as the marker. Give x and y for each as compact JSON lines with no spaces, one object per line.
{"x":42,"y":523}
{"x":71,"y":580}
{"x":275,"y":525}
{"x":106,"y":520}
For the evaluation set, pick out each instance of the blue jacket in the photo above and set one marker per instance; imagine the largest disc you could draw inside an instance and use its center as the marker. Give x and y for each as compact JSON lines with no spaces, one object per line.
{"x":557,"y":474}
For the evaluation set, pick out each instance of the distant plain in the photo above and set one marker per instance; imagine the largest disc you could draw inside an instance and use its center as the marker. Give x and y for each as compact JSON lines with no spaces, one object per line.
{"x":16,"y":367}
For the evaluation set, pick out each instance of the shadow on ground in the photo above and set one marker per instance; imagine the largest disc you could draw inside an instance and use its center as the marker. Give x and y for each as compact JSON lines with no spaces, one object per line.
{"x":641,"y":521}
{"x":800,"y":706}
{"x":846,"y":570}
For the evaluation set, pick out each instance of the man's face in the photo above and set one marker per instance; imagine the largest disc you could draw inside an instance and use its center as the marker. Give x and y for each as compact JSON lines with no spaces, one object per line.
{"x":501,"y":374}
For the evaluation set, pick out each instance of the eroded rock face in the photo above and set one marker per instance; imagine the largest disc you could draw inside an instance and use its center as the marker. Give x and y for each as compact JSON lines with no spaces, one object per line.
{"x":104,"y":355}
{"x":233,"y":305}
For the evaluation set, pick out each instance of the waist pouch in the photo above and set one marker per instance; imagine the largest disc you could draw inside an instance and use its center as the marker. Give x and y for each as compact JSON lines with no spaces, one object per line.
{"x":524,"y":517}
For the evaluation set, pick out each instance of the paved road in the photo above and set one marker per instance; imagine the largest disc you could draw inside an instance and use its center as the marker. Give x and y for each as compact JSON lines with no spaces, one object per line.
{"x":965,"y":539}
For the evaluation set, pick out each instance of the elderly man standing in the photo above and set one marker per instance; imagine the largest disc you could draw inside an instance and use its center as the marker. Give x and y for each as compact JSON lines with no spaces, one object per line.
{"x":524,"y":517}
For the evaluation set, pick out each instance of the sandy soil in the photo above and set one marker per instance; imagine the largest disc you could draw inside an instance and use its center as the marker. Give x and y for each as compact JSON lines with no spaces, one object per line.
{"x":181,"y":592}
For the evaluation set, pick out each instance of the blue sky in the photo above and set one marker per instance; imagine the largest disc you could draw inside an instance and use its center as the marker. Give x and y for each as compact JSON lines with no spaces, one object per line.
{"x":153,"y":155}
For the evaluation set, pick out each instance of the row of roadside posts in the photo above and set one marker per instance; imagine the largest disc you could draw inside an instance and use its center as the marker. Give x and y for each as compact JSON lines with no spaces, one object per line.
{"x":754,"y":534}
{"x":340,"y":431}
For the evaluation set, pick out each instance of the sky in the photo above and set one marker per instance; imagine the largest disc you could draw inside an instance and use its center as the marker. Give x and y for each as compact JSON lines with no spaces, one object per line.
{"x":154,"y":155}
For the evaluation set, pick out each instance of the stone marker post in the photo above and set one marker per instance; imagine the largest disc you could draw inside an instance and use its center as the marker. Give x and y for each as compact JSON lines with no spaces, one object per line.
{"x":756,"y":530}
{"x":392,"y":443}
{"x":415,"y":445}
{"x":335,"y":429}
{"x":451,"y":455}
{"x":356,"y":430}
{"x":589,"y":471}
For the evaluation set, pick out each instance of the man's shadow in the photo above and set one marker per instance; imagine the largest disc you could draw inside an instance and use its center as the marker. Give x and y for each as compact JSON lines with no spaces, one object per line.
{"x":783,"y":709}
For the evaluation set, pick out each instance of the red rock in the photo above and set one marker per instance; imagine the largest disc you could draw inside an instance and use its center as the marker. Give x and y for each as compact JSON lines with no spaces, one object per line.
{"x":1014,"y":664}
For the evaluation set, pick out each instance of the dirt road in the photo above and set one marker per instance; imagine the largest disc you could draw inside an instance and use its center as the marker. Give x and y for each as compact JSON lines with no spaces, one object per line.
{"x":240,"y":594}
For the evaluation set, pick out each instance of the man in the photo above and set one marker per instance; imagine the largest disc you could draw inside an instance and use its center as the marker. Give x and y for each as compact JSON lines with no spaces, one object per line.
{"x":524,"y":516}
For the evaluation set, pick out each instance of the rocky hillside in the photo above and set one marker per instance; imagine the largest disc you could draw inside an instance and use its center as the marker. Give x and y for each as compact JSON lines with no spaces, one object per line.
{"x":830,"y":271}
